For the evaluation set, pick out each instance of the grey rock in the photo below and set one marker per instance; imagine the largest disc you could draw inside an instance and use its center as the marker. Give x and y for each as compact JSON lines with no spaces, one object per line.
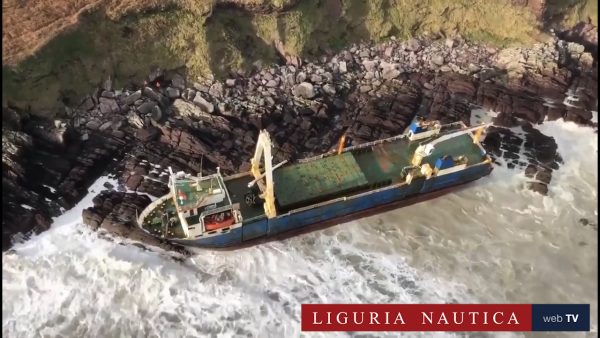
{"x":342,"y":67}
{"x":389,"y":51}
{"x":173,"y":93}
{"x":188,"y":94}
{"x":178,"y":81}
{"x":230,"y":82}
{"x":131,"y":98}
{"x":289,"y":80}
{"x":315,"y":78}
{"x":201,"y":88}
{"x":437,"y":60}
{"x":135,"y":120}
{"x":300,"y":77}
{"x":473,"y":68}
{"x":156,"y":96}
{"x":413,"y":45}
{"x":390,"y":73}
{"x":329,"y":89}
{"x":449,"y":43}
{"x":108,"y":94}
{"x":147,"y":134}
{"x":105,"y":125}
{"x":156,"y":114}
{"x":155,"y":74}
{"x":364,"y":88}
{"x":107,"y":84}
{"x":203,"y":104}
{"x":271,"y":83}
{"x":146,"y":107}
{"x":305,"y":90}
{"x":445,"y":69}
{"x":575,"y":48}
{"x":216,"y":90}
{"x":108,"y":106}
{"x":87,"y":103}
{"x":93,"y":124}
{"x":339,"y":104}
{"x":370,"y":66}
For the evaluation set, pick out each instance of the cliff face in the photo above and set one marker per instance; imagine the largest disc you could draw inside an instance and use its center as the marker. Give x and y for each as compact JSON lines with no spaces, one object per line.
{"x":52,"y":58}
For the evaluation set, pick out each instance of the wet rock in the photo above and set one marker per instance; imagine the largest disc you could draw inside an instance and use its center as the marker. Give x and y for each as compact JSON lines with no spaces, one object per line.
{"x":538,"y":187}
{"x":555,"y":113}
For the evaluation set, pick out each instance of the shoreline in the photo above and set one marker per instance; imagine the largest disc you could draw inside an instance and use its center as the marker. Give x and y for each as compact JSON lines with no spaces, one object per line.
{"x":369,"y":91}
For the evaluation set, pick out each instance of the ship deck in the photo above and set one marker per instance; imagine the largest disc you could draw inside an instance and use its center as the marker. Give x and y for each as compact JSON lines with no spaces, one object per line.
{"x":383,"y":162}
{"x":354,"y":171}
{"x":237,"y":186}
{"x":360,"y":169}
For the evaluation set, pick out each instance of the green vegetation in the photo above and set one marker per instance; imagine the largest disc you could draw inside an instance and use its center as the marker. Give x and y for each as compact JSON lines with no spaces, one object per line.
{"x":567,"y":13}
{"x":217,"y":40}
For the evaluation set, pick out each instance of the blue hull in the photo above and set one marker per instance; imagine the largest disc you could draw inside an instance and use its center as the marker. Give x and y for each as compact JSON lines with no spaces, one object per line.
{"x":297,"y":219}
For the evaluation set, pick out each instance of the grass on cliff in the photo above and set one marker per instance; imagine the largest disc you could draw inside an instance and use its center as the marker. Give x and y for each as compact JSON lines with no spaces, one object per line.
{"x":208,"y":39}
{"x":570,"y":12}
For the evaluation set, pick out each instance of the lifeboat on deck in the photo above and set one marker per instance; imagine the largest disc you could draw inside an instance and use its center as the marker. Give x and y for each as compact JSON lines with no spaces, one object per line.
{"x":218,"y":221}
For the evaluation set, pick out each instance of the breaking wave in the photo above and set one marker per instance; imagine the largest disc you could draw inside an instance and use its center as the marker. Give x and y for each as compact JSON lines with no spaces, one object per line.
{"x":493,"y":241}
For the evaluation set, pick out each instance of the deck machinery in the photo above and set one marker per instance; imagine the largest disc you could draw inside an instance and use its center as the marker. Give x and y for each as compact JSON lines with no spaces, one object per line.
{"x":217,"y":211}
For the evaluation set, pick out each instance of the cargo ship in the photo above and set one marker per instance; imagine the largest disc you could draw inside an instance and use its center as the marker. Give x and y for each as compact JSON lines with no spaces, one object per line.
{"x":214,"y":211}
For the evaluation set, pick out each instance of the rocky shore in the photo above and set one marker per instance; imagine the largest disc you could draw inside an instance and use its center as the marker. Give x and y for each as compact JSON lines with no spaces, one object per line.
{"x":368,"y":91}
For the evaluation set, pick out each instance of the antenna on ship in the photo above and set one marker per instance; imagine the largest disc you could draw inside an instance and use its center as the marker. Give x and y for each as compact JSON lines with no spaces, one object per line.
{"x":199,"y":176}
{"x":341,"y":143}
{"x":201,"y":162}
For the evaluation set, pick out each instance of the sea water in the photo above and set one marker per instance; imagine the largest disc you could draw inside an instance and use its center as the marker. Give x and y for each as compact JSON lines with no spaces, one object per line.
{"x":493,"y":241}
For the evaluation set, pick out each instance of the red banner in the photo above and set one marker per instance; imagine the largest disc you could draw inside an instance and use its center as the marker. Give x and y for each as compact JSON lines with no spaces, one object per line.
{"x":416,"y":317}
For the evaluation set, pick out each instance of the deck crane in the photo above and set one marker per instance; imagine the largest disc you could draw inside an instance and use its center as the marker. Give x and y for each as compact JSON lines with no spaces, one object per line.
{"x":263,"y":151}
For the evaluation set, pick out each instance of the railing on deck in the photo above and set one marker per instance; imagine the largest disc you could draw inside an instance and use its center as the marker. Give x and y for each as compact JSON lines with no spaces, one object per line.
{"x":150,"y":208}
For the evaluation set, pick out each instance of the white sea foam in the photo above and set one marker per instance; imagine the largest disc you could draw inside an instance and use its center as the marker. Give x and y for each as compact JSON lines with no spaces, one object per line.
{"x":492,"y":242}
